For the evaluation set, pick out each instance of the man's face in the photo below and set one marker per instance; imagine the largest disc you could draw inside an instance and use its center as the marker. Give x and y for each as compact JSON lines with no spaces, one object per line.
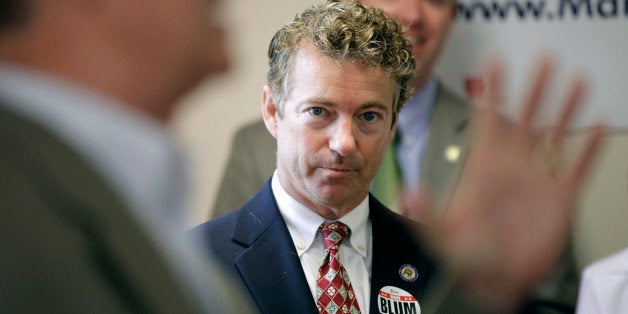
{"x":335,"y":125}
{"x":183,"y":38}
{"x":428,"y":23}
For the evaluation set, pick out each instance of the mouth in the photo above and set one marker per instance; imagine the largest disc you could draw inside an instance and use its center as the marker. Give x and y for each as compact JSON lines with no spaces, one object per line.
{"x":339,"y":170}
{"x":337,"y":173}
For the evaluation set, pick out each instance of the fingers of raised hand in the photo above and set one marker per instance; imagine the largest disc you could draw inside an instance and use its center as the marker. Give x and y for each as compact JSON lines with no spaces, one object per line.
{"x":570,"y":108}
{"x":548,"y":146}
{"x":487,"y":116}
{"x":537,"y":90}
{"x":576,"y":177}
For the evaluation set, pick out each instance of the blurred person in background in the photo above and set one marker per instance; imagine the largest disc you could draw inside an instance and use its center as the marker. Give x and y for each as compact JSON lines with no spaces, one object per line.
{"x":604,"y":287}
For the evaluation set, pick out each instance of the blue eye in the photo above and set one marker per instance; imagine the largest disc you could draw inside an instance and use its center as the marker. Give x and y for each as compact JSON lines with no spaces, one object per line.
{"x":369,"y":116}
{"x":317,"y":111}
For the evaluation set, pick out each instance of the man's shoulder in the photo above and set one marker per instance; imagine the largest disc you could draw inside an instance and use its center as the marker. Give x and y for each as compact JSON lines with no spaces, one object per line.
{"x":381,"y":211}
{"x":253,"y":142}
{"x":17,"y":128}
{"x":215,"y":229}
{"x":447,"y":97}
{"x":249,"y":219}
{"x":43,"y":156}
{"x":215,"y":237}
{"x":392,"y":223}
{"x":228,"y":236}
{"x":255,"y":129}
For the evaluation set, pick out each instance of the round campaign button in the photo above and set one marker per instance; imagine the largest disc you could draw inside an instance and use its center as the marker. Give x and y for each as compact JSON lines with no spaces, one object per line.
{"x":392,"y":300}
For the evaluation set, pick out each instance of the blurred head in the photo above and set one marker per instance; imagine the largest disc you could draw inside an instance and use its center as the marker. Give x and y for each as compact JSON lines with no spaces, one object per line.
{"x":338,"y":77}
{"x":344,"y":32}
{"x":427,"y":24}
{"x":147,"y":53}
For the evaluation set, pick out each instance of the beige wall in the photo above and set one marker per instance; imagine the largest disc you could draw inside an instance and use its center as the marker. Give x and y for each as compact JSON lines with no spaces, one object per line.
{"x":602,"y":219}
{"x":210,"y":115}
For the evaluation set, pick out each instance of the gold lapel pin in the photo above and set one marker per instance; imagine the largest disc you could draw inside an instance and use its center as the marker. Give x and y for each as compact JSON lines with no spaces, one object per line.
{"x":452,"y":153}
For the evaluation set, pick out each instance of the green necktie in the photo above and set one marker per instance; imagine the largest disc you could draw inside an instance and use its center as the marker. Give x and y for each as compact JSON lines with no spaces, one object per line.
{"x":387,"y":185}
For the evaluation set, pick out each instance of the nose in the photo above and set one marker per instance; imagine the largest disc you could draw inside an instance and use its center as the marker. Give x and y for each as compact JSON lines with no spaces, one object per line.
{"x":342,"y":138}
{"x":408,"y":12}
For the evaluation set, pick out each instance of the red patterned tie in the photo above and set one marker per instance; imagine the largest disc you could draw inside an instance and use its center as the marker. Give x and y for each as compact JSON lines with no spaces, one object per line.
{"x":334,"y":293}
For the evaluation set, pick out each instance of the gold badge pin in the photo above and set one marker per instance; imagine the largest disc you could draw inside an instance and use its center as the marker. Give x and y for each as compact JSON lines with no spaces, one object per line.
{"x":452,"y":153}
{"x":408,"y":273}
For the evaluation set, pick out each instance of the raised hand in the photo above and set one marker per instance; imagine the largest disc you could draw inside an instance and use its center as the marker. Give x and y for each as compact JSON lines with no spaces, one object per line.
{"x":510,"y":218}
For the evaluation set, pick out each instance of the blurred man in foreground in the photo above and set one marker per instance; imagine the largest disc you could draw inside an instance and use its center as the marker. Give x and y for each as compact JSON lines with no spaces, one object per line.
{"x":92,"y":186}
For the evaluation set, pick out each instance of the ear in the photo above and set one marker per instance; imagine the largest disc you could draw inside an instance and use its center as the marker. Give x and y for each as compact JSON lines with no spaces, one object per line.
{"x":269,"y":110}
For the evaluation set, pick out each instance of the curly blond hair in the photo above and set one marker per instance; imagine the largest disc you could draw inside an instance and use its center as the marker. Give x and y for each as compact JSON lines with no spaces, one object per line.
{"x":343,"y":31}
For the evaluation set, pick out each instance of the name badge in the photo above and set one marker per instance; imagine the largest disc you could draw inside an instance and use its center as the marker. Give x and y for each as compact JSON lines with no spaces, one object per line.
{"x":392,"y":300}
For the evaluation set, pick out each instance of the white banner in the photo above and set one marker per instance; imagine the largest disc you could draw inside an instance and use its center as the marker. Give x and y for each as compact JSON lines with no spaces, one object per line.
{"x":583,"y":36}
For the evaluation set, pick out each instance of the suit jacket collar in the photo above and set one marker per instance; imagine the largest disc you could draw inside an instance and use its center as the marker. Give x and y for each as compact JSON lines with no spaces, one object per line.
{"x":261,"y":228}
{"x":445,"y":148}
{"x":395,"y":247}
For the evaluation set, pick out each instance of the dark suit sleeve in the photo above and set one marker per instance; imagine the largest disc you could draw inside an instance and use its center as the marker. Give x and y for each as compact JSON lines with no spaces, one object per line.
{"x":252,"y":161}
{"x":45,"y":267}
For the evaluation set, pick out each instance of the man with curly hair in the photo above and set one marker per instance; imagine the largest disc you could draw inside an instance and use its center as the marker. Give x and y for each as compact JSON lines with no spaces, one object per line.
{"x":430,"y":134}
{"x":313,"y":239}
{"x":426,"y":153}
{"x":338,"y":77}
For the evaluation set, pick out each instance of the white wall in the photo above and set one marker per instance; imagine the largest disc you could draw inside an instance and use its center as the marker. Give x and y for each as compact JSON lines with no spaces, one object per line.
{"x":591,"y":41}
{"x":602,"y":218}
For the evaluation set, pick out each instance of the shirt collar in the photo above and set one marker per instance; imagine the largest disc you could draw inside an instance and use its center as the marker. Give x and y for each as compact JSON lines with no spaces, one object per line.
{"x":303,"y":223}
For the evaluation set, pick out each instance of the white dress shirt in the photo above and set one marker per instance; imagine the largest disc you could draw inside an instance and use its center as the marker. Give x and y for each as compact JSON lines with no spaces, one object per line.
{"x":604,"y":286}
{"x":354,"y":254}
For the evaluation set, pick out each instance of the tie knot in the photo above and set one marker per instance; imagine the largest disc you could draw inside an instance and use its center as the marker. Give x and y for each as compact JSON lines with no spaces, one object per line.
{"x":334,"y":233}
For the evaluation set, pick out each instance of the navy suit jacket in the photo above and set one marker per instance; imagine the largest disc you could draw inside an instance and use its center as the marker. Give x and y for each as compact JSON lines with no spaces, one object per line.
{"x":256,"y":245}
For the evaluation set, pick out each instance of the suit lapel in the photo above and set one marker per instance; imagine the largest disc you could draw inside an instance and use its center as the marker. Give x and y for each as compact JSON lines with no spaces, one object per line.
{"x":280,"y":286}
{"x":387,"y":184}
{"x":393,"y":247}
{"x":445,"y":143}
